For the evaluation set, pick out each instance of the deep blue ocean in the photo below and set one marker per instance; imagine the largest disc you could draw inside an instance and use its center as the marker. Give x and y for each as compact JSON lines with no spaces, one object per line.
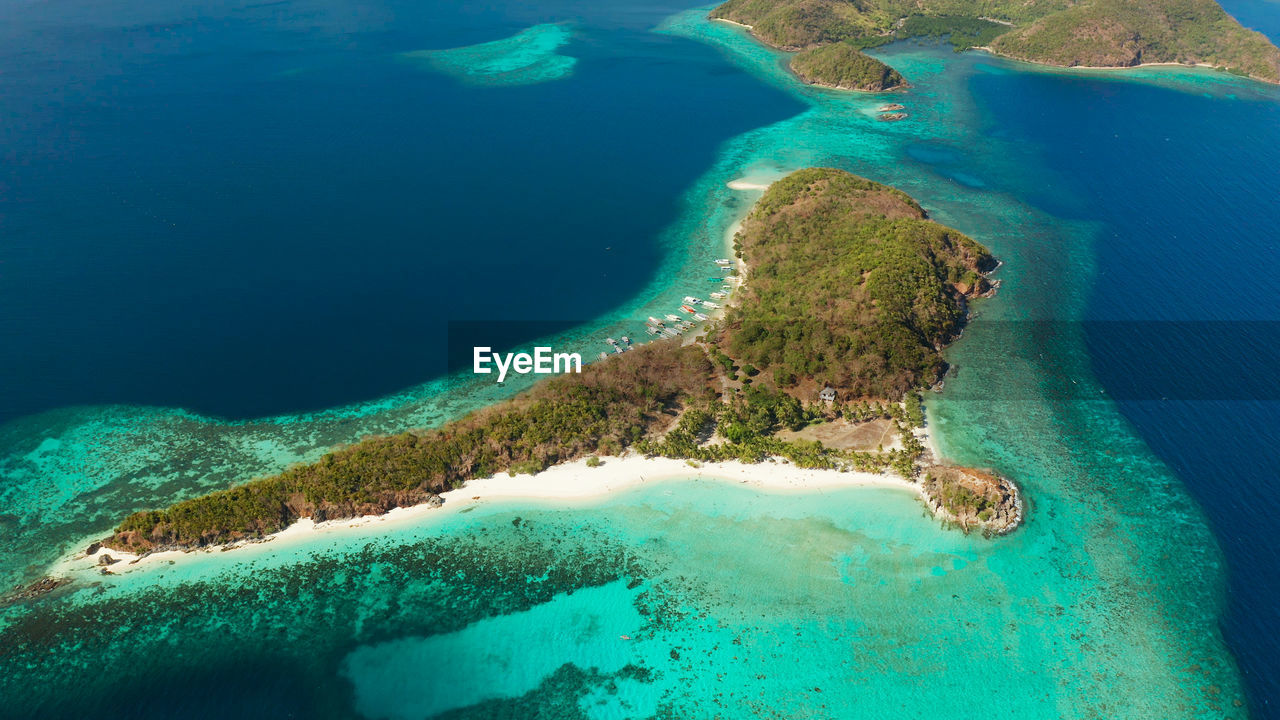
{"x":247,"y":209}
{"x":1184,"y":324}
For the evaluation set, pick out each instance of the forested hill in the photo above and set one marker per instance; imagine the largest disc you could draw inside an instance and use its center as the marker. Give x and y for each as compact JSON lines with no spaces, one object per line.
{"x":1088,"y":33}
{"x":849,"y":286}
{"x":844,"y":67}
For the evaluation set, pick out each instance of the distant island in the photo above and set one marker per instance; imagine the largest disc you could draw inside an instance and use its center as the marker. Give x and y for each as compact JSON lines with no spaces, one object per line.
{"x":852,"y":293}
{"x":1089,"y":33}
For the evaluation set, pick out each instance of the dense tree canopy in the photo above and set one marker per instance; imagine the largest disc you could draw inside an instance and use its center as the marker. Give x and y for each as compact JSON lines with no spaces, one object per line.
{"x":849,"y":286}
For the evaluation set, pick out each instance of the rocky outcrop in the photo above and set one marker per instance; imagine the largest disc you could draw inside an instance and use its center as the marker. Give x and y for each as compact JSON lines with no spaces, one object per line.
{"x":973,"y":498}
{"x":40,"y":587}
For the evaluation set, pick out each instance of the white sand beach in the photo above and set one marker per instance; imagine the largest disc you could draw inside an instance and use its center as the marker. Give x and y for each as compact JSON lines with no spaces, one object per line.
{"x":574,"y":482}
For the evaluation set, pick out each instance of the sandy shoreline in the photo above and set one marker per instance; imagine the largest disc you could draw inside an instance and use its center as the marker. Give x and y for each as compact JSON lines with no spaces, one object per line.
{"x":1116,"y":69}
{"x":573,"y":482}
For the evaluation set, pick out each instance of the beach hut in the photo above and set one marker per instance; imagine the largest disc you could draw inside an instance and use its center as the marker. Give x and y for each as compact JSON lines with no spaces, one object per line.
{"x":828,"y":395}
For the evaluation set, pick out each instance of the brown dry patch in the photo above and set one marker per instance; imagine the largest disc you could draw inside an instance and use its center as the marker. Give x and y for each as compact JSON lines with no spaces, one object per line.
{"x":844,"y":435}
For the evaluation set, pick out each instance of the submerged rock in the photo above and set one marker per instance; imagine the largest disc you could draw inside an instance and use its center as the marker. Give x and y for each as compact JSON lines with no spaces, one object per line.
{"x":36,"y":589}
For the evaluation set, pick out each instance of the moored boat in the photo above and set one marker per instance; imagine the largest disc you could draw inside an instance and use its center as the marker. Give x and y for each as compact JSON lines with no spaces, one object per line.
{"x":688,"y":309}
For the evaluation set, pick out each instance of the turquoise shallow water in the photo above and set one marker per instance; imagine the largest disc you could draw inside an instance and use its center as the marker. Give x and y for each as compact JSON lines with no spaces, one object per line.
{"x":737,"y":603}
{"x":684,"y":599}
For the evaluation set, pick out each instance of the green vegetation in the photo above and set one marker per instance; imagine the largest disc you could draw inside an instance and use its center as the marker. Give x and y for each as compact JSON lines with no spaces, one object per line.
{"x":850,"y":287}
{"x":878,"y":287}
{"x":841,"y":65}
{"x":962,"y":32}
{"x":1105,"y":33}
{"x":1096,"y":33}
{"x":609,"y":405}
{"x":746,"y":425}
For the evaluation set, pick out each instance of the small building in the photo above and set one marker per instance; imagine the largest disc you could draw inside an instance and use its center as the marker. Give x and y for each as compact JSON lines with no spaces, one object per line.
{"x":828,"y":395}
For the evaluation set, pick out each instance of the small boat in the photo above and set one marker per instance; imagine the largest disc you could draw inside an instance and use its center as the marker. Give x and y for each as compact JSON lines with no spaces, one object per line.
{"x":604,"y":356}
{"x":626,"y":339}
{"x":699,"y":316}
{"x":718,"y":295}
{"x":688,"y":309}
{"x":724,"y":261}
{"x":709,"y":304}
{"x":654,"y":321}
{"x":726,"y":269}
{"x":719,"y":279}
{"x":652,"y":330}
{"x":670,"y":333}
{"x":617,"y":349}
{"x":611,"y":341}
{"x":624,"y":637}
{"x":673,"y":318}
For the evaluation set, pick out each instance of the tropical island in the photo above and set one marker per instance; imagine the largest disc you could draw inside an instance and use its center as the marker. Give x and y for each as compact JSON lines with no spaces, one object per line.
{"x":878,"y":289}
{"x":829,"y":36}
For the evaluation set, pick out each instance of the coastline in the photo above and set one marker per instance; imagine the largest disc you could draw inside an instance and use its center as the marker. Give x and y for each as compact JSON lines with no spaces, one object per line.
{"x":564,"y":479}
{"x":576,"y":481}
{"x":573,"y":482}
{"x":1118,"y":69}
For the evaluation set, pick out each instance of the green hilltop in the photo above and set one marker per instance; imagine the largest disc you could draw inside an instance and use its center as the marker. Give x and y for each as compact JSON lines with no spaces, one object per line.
{"x":868,"y":306}
{"x":1083,"y":33}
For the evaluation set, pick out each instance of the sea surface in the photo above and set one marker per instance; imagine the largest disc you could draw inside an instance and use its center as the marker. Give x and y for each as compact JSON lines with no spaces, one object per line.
{"x":233,"y":235}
